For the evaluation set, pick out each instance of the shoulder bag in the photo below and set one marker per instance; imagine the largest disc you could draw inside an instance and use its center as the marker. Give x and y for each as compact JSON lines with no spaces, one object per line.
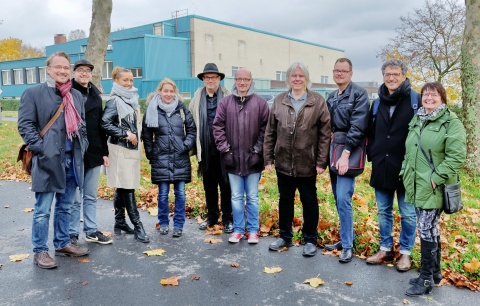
{"x":25,"y":155}
{"x":356,"y":160}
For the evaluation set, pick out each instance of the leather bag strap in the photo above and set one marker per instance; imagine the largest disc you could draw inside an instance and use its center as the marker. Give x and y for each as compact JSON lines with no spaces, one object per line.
{"x":50,"y":123}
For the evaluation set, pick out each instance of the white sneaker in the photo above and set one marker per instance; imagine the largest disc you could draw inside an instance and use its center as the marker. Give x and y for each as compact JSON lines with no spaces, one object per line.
{"x":235,"y":237}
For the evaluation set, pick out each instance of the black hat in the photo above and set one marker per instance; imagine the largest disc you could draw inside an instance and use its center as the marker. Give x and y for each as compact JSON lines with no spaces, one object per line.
{"x":82,"y":62}
{"x":210,"y":68}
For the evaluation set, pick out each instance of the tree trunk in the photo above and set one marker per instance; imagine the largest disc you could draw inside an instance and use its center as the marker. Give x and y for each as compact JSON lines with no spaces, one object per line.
{"x":470,"y":77}
{"x":98,"y":38}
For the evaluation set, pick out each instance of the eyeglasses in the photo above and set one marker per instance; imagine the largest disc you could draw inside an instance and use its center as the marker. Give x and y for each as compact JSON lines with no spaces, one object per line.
{"x":341,"y":71}
{"x":210,"y":78}
{"x":58,"y":67}
{"x":294,"y":76}
{"x":431,"y":94}
{"x":83,"y":70}
{"x":396,"y":75}
{"x":243,"y":80}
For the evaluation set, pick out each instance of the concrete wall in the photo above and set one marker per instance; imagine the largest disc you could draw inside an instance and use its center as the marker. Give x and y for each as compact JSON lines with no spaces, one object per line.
{"x":262,"y":53}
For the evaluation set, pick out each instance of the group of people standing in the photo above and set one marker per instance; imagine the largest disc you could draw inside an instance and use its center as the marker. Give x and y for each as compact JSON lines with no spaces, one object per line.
{"x":235,"y":136}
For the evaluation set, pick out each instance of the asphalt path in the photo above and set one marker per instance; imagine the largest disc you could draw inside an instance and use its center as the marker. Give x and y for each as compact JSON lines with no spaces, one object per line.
{"x":120,"y":274}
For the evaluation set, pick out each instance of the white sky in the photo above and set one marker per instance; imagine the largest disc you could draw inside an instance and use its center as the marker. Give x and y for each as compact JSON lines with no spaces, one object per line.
{"x":360,"y":27}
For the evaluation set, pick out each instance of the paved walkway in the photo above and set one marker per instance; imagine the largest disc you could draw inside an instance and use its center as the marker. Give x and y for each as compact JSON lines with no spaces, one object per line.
{"x":120,"y":274}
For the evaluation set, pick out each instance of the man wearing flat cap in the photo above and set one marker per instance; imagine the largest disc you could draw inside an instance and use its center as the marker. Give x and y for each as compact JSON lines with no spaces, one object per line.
{"x":95,"y":157}
{"x":204,"y":108}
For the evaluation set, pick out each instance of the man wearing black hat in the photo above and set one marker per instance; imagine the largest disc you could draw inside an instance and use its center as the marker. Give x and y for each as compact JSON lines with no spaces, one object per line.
{"x":95,"y":156}
{"x":204,"y":108}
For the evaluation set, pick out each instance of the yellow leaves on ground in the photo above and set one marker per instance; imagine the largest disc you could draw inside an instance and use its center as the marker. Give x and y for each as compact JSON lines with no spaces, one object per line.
{"x":348,"y":283}
{"x":83,"y":259}
{"x":235,"y":265}
{"x":314,"y":282}
{"x":212,"y":240}
{"x":272,"y":270}
{"x":153,"y":211}
{"x":214,"y":230}
{"x":472,"y":266}
{"x":28,"y":209}
{"x":157,"y":252}
{"x":171,"y":281}
{"x":18,"y":257}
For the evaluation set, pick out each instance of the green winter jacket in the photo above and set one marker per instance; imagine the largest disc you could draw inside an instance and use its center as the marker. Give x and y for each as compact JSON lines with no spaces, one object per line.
{"x":442,"y":136}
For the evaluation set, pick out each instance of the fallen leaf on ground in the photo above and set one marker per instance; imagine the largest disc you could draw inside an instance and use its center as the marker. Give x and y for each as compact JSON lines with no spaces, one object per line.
{"x":6,"y":206}
{"x":272,"y":270}
{"x":212,"y":240}
{"x":235,"y":265}
{"x":283,"y":249}
{"x":28,"y":209}
{"x":84,"y":259}
{"x":84,"y":283}
{"x":153,"y":211}
{"x":348,"y":283}
{"x":472,"y":266}
{"x":1,"y":265}
{"x":314,"y":282}
{"x":389,"y":265}
{"x":214,"y":232}
{"x":108,"y":234}
{"x":18,"y":257}
{"x":194,"y":277}
{"x":405,"y":302}
{"x":157,"y":252}
{"x":172,"y":281}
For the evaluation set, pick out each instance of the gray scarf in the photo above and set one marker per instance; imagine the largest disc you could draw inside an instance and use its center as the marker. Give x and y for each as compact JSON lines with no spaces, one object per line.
{"x":126,"y":100}
{"x":151,"y":115}
{"x":422,"y":114}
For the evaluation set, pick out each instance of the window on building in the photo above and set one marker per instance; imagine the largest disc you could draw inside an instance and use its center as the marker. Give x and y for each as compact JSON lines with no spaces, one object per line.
{"x":18,"y":76}
{"x":6,"y":77}
{"x":209,"y":38}
{"x":42,"y":73}
{"x":31,"y":76}
{"x":137,"y":72}
{"x":324,"y":79}
{"x":83,"y":48}
{"x":107,"y":70}
{"x":234,"y":70}
{"x":281,"y":75}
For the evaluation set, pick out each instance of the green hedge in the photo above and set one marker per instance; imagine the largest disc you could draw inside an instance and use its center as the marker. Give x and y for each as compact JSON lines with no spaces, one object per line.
{"x":13,"y":104}
{"x":10,"y":104}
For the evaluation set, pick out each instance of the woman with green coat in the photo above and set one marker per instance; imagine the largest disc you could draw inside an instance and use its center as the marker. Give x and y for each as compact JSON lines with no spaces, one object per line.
{"x":441,"y":135}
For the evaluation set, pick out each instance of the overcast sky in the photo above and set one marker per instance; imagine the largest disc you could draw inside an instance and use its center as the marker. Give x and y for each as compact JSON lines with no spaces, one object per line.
{"x":360,"y":27}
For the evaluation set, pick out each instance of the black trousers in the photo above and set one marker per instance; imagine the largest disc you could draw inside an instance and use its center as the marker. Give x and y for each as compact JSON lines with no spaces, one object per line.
{"x":287,"y":185}
{"x":212,"y":180}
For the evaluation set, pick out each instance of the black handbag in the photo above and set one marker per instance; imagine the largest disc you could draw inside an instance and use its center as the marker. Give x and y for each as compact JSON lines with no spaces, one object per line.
{"x":452,"y":197}
{"x":452,"y":194}
{"x":356,"y":160}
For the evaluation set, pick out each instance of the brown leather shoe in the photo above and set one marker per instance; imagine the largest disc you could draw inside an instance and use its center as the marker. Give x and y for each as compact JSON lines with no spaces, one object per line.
{"x":404,"y":263}
{"x":380,"y":258}
{"x":72,"y":251}
{"x":44,"y":261}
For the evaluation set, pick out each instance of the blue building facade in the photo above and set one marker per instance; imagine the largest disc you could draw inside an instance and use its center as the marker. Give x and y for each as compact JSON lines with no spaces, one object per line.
{"x":152,"y":51}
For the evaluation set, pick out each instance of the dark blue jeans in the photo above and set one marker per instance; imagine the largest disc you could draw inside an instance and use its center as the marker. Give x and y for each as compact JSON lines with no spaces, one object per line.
{"x":287,"y":185}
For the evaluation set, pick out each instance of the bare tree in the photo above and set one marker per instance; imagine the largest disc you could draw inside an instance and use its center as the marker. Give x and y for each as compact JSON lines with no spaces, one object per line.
{"x":471,"y":84}
{"x":98,"y":38}
{"x":430,"y":40}
{"x":76,"y":34}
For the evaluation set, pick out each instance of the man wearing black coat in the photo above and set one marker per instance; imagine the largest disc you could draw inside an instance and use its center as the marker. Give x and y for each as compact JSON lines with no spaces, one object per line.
{"x":95,"y":157}
{"x":387,"y":132}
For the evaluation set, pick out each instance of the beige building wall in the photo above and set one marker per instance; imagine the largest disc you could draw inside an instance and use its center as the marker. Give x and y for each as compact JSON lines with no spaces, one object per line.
{"x":264,"y":54}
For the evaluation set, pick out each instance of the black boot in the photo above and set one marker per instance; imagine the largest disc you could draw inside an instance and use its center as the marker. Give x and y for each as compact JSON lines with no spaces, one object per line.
{"x":437,"y":271}
{"x":131,"y":205}
{"x":120,"y":223}
{"x":428,"y":260}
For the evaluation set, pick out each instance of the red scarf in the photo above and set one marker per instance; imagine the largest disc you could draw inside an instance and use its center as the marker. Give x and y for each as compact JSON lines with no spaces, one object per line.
{"x":72,"y":118}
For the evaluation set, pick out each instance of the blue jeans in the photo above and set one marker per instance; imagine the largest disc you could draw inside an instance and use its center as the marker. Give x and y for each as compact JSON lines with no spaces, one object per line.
{"x":61,"y":217}
{"x":89,"y":197}
{"x":385,"y":220}
{"x":163,"y":209}
{"x":248,"y":186}
{"x":342,"y":188}
{"x":287,"y":185}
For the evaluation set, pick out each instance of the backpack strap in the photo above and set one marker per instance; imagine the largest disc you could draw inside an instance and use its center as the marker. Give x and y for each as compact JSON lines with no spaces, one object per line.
{"x":414,"y":98}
